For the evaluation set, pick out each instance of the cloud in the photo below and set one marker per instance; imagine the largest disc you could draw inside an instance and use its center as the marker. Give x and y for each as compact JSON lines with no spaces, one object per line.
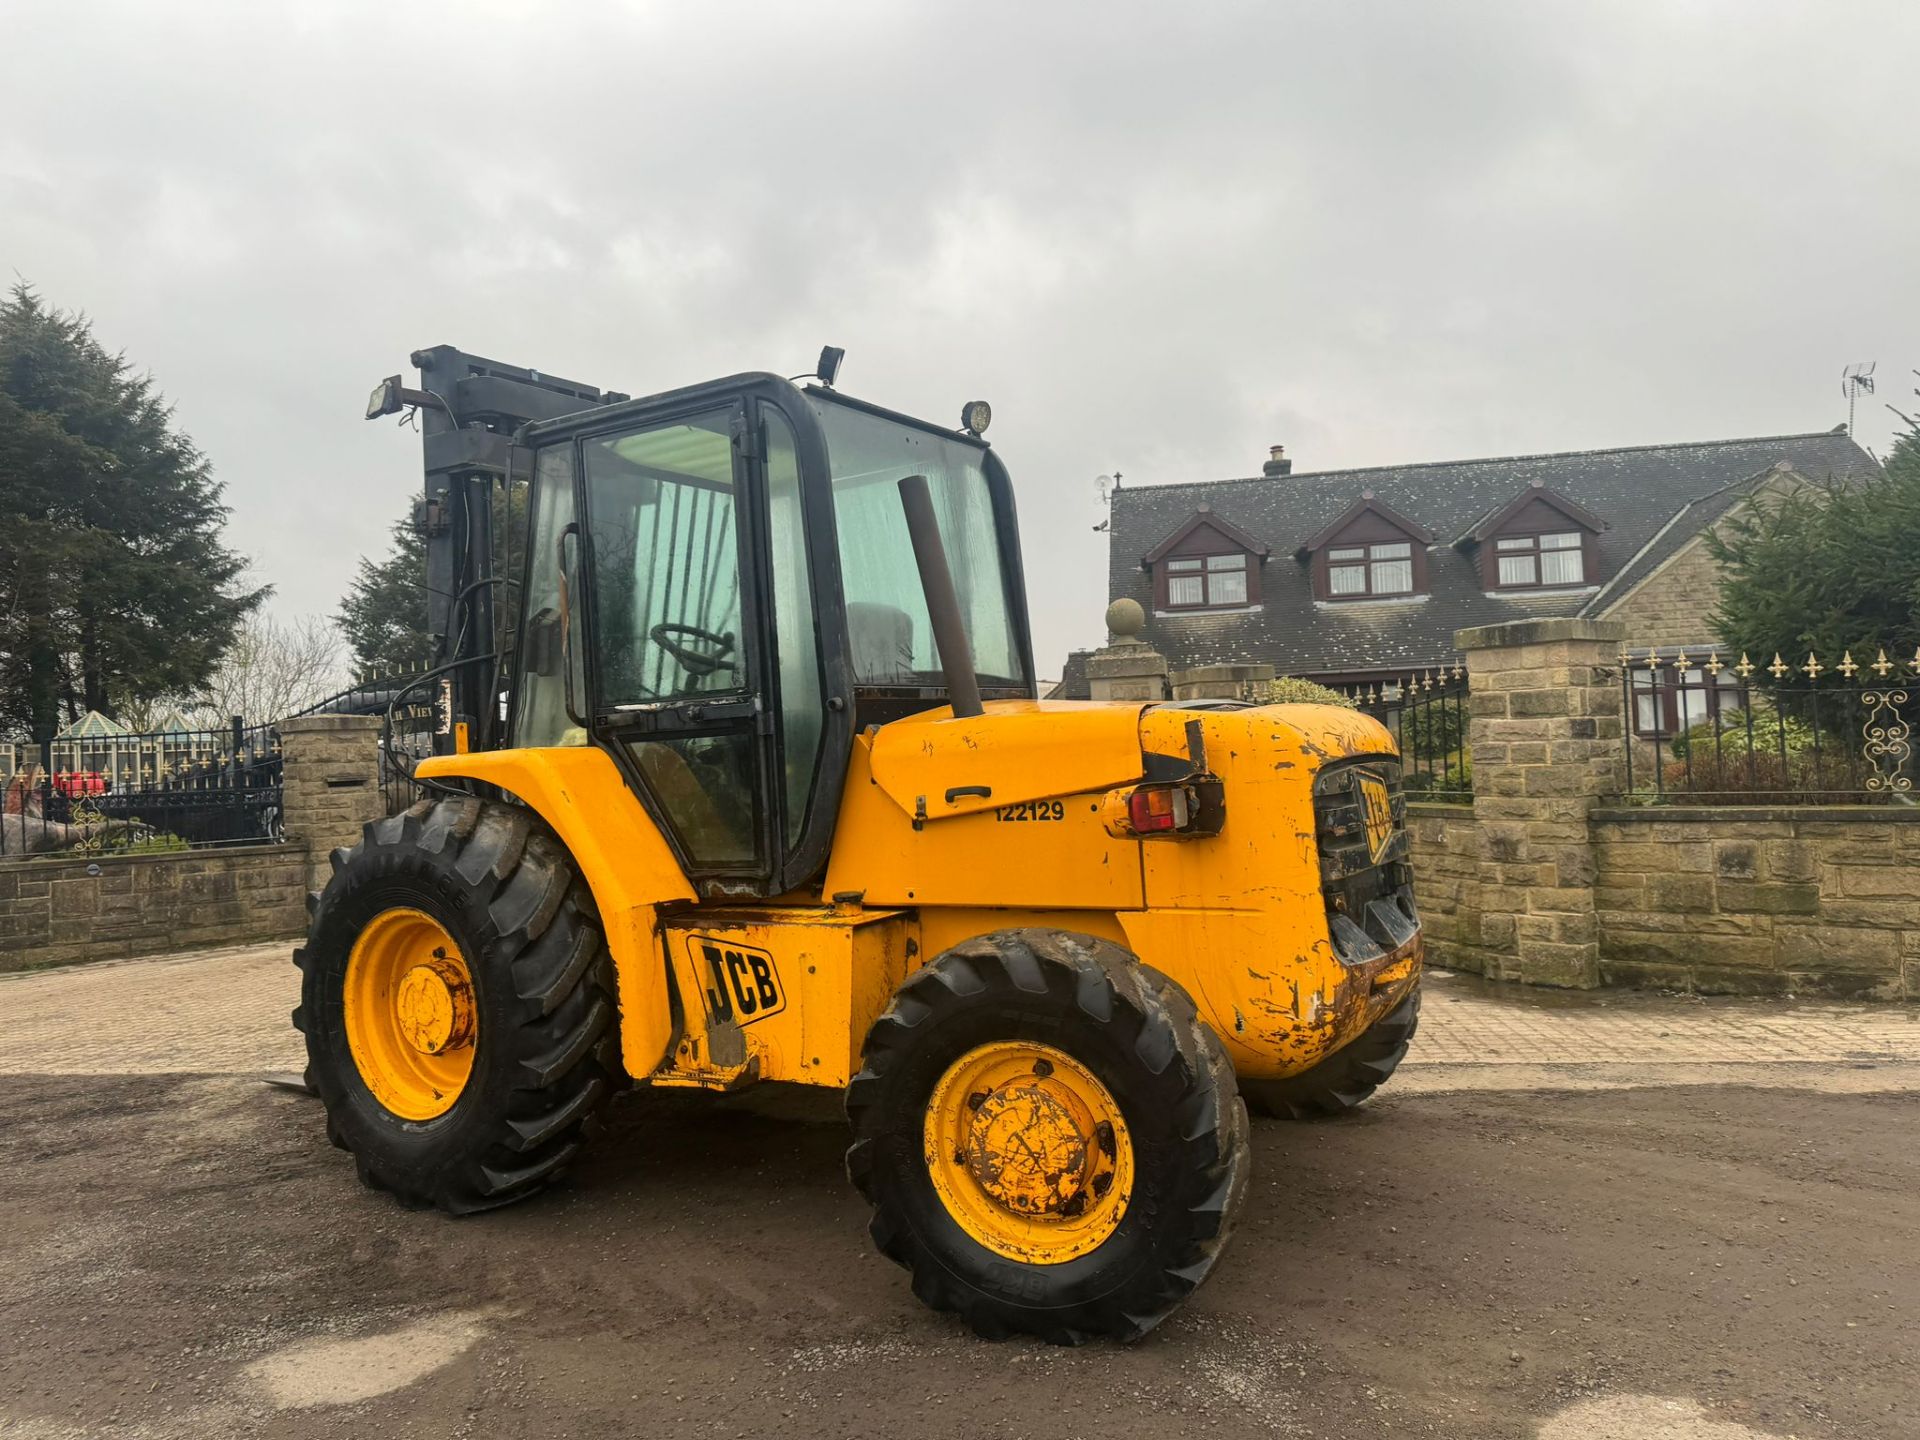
{"x":1157,"y":237}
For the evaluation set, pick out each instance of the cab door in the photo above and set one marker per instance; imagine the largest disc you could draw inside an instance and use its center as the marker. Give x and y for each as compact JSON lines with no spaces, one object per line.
{"x":680,"y":609}
{"x":677,"y":665}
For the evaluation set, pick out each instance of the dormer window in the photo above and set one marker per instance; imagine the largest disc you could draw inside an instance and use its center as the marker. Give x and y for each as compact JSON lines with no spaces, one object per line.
{"x":1354,"y":570}
{"x":1541,"y":561}
{"x":1209,"y":580}
{"x":1539,"y":540}
{"x":1368,"y":552}
{"x":1207,"y":564}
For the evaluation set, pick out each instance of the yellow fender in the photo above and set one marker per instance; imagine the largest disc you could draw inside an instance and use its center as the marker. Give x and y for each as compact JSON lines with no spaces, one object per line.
{"x":622,"y":856}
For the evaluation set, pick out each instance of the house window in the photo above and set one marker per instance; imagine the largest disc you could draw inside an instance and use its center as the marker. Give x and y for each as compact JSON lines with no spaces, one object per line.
{"x":1541,"y":561}
{"x":1201,"y":582}
{"x":1354,"y":571}
{"x":1668,"y":703}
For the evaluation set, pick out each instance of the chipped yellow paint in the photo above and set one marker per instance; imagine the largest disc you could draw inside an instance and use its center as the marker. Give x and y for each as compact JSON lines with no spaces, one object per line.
{"x":1028,"y":1152}
{"x":1239,"y":919}
{"x":779,"y":992}
{"x":409,"y":1010}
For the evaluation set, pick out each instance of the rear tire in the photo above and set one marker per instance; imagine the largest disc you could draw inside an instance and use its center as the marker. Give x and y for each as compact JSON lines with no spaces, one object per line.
{"x":1345,"y":1079}
{"x":1132,"y":1036}
{"x":543,"y":1022}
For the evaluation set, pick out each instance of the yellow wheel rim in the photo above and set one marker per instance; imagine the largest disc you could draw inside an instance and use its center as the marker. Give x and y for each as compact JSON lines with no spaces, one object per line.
{"x":1028,"y":1152}
{"x":410,"y":1015}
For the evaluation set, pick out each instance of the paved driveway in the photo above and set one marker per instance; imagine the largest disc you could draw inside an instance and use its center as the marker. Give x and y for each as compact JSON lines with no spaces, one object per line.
{"x":225,"y":1012}
{"x":1505,"y":1243}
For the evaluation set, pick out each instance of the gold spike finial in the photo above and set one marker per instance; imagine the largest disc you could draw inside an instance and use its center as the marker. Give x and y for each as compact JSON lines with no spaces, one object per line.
{"x":1779,"y":667}
{"x":1653,"y":658}
{"x":1846,"y":666}
{"x":1813,"y":667}
{"x":1714,"y":665}
{"x":1883,"y":666}
{"x":1745,"y":667}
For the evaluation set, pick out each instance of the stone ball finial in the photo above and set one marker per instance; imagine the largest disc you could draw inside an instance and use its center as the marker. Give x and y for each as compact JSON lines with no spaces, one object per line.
{"x":1126,"y":619}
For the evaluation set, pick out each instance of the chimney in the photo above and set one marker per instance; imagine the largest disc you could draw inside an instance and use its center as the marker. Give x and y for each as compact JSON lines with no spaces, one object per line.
{"x":1278,"y":463}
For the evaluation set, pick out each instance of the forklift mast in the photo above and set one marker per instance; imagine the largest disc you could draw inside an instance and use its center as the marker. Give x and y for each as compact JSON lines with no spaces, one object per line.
{"x":470,"y":409}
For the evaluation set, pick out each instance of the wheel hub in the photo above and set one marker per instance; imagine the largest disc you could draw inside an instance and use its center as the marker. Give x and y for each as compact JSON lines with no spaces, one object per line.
{"x":434,"y":1006}
{"x":1030,"y":1147}
{"x":412,"y":1020}
{"x":1028,"y":1151}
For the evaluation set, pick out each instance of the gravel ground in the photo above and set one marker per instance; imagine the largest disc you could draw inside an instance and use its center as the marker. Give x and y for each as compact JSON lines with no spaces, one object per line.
{"x":1534,"y":1255}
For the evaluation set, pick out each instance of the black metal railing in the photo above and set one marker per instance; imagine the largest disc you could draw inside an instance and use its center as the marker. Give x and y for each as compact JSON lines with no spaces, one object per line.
{"x":1702,"y":731}
{"x":131,"y":792}
{"x":1427,"y":714}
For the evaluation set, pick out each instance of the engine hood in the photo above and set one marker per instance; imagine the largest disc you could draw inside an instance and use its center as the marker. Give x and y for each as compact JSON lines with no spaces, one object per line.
{"x":933,"y":765}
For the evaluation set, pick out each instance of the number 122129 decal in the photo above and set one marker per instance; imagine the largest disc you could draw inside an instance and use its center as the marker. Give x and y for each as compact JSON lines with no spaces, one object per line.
{"x":1031,"y":810}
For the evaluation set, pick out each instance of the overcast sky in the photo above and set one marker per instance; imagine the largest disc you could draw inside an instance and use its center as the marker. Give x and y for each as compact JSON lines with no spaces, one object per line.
{"x":1158,"y":237}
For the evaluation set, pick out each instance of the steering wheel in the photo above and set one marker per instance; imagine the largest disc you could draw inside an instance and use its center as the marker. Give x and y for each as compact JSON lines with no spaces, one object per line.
{"x":694,"y":662}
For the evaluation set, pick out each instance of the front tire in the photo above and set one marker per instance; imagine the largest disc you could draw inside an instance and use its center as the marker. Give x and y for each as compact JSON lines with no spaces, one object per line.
{"x":1345,"y":1079}
{"x":1050,"y":1138}
{"x":458,"y":1004}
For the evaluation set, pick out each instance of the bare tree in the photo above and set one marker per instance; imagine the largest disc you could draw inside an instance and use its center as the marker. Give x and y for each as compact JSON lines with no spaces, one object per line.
{"x":274,"y":668}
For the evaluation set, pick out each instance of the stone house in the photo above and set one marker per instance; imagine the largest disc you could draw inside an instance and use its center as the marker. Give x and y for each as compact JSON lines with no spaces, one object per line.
{"x":1362,"y":577}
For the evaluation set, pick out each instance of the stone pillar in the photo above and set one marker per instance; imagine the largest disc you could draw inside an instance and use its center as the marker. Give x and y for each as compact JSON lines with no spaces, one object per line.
{"x":330,"y":784}
{"x":1545,"y":731}
{"x":1126,"y":667}
{"x":1220,"y":682}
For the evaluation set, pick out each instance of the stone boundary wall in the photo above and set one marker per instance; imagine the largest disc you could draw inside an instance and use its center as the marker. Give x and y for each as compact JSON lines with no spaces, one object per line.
{"x":1803,"y":900}
{"x":1550,"y":878}
{"x":55,"y":912}
{"x":1445,"y":848}
{"x":61,"y":911}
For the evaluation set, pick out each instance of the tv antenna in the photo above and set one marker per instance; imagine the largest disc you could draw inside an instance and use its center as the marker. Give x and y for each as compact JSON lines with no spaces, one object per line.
{"x":1856,"y":380}
{"x":1106,"y":485}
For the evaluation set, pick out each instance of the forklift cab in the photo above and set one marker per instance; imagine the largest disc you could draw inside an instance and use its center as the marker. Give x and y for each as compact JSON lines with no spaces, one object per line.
{"x":720,"y":591}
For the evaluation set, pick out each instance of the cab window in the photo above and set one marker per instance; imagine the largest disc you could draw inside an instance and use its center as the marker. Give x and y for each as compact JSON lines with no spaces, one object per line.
{"x":666,"y":561}
{"x":887,"y":626}
{"x":551,"y":659}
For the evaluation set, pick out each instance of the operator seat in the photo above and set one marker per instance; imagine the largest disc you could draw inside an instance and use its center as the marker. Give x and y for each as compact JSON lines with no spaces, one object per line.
{"x":881,"y":639}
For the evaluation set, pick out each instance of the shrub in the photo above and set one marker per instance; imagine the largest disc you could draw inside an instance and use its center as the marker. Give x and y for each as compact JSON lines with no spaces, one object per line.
{"x":1454,"y":779}
{"x":1736,"y":778}
{"x":1770,"y":729}
{"x":1290,"y":690}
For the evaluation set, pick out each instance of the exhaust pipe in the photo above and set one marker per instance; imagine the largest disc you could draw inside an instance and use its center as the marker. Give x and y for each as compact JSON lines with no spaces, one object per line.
{"x":943,"y":605}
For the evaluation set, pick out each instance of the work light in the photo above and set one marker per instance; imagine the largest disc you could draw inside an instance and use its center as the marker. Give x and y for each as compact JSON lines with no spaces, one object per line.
{"x":385,"y":399}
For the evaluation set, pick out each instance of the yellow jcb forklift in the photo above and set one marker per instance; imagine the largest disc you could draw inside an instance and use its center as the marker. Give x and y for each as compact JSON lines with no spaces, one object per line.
{"x":759,"y":790}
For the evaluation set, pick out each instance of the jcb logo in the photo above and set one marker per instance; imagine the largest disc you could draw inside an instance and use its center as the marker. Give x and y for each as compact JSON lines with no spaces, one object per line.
{"x":742,"y":984}
{"x":1376,"y":807}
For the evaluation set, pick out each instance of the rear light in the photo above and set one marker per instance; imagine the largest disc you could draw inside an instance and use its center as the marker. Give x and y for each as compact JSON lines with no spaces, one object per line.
{"x":1178,"y":810}
{"x":1151,"y":811}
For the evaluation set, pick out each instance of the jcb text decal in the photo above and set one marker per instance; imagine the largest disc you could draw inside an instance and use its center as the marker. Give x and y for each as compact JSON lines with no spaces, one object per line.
{"x":740,"y":982}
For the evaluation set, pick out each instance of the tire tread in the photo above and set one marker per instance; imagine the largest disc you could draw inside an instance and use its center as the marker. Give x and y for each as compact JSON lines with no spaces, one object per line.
{"x":530,"y":922}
